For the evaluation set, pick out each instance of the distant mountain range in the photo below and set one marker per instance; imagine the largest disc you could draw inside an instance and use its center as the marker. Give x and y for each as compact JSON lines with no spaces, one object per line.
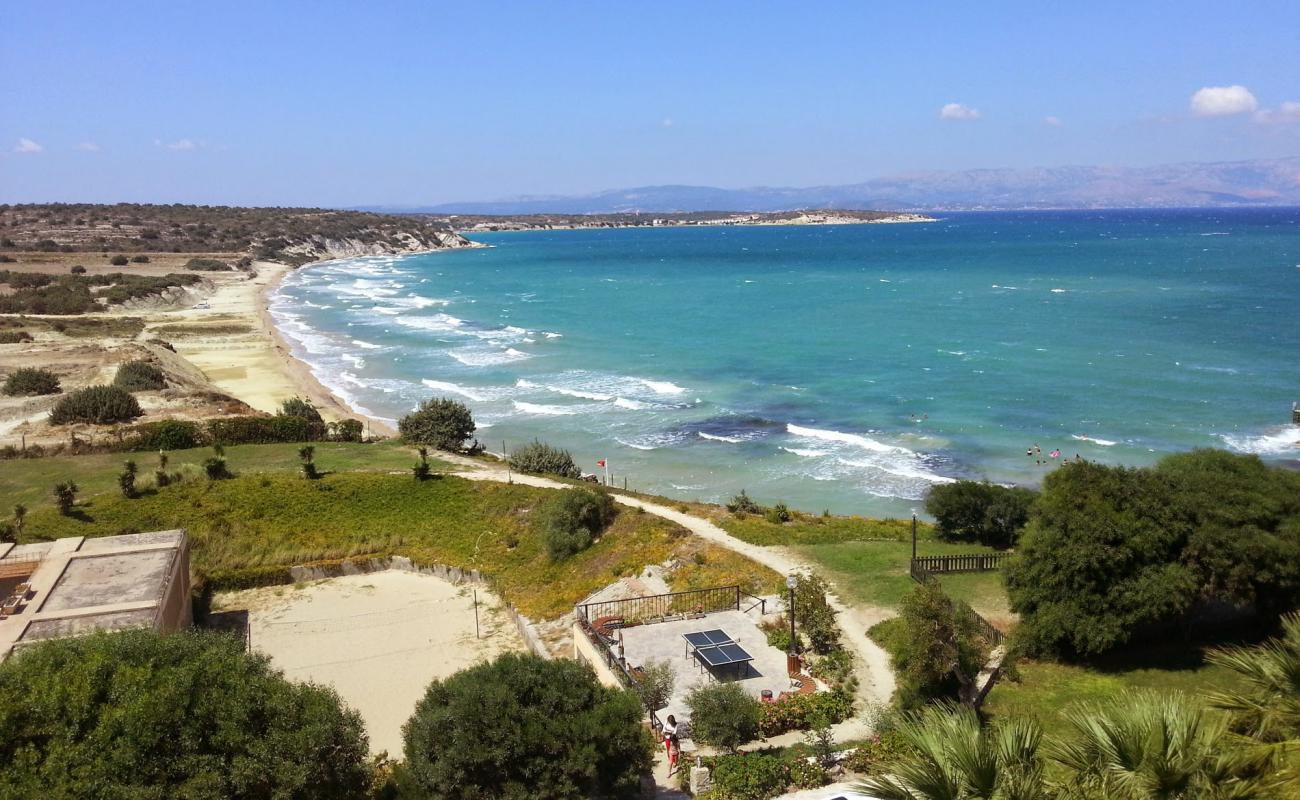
{"x":1271,"y":182}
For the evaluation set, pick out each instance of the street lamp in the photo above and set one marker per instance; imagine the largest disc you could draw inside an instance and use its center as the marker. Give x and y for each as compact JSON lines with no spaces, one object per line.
{"x":792,"y":657}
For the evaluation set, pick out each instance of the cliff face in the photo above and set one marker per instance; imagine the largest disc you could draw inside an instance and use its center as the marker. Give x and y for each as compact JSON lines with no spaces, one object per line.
{"x":319,"y":248}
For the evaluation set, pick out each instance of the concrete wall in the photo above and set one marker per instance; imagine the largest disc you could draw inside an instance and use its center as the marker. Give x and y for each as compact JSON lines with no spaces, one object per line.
{"x":586,"y":652}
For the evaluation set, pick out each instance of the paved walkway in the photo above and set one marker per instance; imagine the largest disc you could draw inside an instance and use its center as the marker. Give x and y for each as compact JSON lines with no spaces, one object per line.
{"x":875,"y":677}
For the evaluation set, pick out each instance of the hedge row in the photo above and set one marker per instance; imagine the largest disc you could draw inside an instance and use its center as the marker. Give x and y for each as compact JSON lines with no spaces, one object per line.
{"x":795,"y":712}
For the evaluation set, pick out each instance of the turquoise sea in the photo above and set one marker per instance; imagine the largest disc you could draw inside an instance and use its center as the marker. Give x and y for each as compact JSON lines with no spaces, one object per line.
{"x":846,"y":368}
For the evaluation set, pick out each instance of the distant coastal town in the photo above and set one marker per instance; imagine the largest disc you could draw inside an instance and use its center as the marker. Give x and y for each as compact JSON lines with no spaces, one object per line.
{"x":471,"y":223}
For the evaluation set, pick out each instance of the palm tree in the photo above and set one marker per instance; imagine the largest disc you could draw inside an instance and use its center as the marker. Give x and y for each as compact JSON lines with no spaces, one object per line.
{"x":1144,"y":745}
{"x":953,"y":758}
{"x":1264,"y":715}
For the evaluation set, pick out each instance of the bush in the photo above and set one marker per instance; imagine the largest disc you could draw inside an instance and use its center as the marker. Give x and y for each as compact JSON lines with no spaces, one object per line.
{"x":749,"y":777}
{"x":139,"y":376}
{"x":980,"y":511}
{"x":141,"y":259}
{"x":206,"y":265}
{"x":441,"y":422}
{"x":814,"y":618}
{"x":1115,"y":552}
{"x":573,"y":518}
{"x":807,"y":775}
{"x":138,"y":714}
{"x":742,"y":504}
{"x":118,"y":261}
{"x":126,"y":480}
{"x":30,"y":381}
{"x":421,"y":469}
{"x":939,"y":650}
{"x":522,"y":727}
{"x":168,"y":434}
{"x":14,"y":337}
{"x":723,"y":715}
{"x":65,"y":497}
{"x":778,"y":514}
{"x":97,"y":405}
{"x":298,"y":407}
{"x":799,"y":712}
{"x":78,"y":270}
{"x":345,"y":430}
{"x":540,"y":458}
{"x":261,"y":430}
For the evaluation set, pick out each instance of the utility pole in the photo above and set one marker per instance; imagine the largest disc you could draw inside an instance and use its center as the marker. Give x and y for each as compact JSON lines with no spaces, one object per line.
{"x":913,"y":536}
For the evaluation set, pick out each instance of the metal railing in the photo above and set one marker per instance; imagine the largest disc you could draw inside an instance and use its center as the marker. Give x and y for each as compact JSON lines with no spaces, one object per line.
{"x":658,"y":607}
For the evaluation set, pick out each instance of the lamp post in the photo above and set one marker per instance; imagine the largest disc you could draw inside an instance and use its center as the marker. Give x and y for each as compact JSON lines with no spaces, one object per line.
{"x":792,"y":657}
{"x":913,"y":535}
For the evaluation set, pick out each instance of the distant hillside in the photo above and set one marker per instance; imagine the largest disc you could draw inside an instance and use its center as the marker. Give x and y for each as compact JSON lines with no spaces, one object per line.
{"x":1274,"y":182}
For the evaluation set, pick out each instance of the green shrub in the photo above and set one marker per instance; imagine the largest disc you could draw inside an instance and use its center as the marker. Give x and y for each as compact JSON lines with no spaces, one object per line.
{"x":749,"y":777}
{"x":97,"y":405}
{"x":14,"y":337}
{"x":167,"y":434}
{"x":573,"y":518}
{"x":142,"y":715}
{"x":31,"y":381}
{"x":523,"y":727}
{"x":421,"y":469}
{"x":777,"y":514}
{"x":814,"y":618}
{"x":441,"y":422}
{"x":206,"y":265}
{"x":118,"y":261}
{"x":78,"y":270}
{"x":541,"y":458}
{"x":742,"y":504}
{"x":798,"y":712}
{"x":980,"y":511}
{"x":65,"y":497}
{"x":939,"y":648}
{"x":807,"y":775}
{"x":723,"y":715}
{"x":139,"y":376}
{"x":141,"y":259}
{"x":298,"y":407}
{"x":345,"y":430}
{"x":261,"y":430}
{"x":126,"y":480}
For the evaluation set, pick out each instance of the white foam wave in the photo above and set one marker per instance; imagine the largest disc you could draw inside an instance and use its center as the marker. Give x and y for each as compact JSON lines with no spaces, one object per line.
{"x":634,"y":405}
{"x":1280,"y":441}
{"x":1059,"y":291}
{"x":442,"y":323}
{"x":455,"y":388}
{"x":806,"y":453}
{"x":538,"y":408}
{"x":661,"y":387}
{"x":715,"y":438}
{"x":1086,"y":438}
{"x":844,"y":438}
{"x":367,"y":345}
{"x":474,"y":357}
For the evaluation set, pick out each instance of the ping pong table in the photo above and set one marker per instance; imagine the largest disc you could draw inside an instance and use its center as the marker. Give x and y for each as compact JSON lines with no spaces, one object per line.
{"x":714,"y":648}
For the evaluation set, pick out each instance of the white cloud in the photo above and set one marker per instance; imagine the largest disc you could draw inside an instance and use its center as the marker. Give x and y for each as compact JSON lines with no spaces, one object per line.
{"x":183,"y":144}
{"x":1223,"y":101}
{"x":26,"y":145}
{"x":959,"y":112}
{"x":89,"y":147}
{"x":1053,"y":121}
{"x":667,"y":122}
{"x":1289,"y":111}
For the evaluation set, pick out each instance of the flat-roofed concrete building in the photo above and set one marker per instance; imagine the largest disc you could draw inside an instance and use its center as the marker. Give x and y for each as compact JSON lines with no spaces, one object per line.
{"x":76,"y":585}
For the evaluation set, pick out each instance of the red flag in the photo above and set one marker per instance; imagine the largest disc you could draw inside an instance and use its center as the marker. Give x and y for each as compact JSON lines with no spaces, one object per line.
{"x":600,"y":463}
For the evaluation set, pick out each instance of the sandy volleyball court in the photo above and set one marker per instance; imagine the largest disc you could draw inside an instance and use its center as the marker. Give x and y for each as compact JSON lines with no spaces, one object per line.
{"x":379,"y":638}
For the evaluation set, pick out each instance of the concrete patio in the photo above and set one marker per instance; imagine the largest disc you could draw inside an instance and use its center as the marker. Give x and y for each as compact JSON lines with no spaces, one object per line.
{"x":662,"y":641}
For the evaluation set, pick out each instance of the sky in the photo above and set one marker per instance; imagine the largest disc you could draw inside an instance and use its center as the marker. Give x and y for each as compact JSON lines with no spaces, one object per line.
{"x":405,"y":103}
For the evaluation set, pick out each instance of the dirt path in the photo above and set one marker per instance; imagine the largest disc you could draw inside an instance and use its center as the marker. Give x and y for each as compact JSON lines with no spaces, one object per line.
{"x":875,"y":677}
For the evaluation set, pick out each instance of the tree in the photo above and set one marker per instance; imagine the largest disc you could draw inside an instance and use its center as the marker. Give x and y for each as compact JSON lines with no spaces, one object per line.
{"x":940,"y":649}
{"x":298,"y":407}
{"x":522,"y":727}
{"x":951,"y":757}
{"x":126,"y":480}
{"x":65,"y":496}
{"x":723,"y":715}
{"x":539,"y":457}
{"x":1144,"y":745}
{"x":979,"y":511}
{"x":813,"y":615}
{"x":138,"y":714}
{"x":573,"y":518}
{"x":655,"y":685}
{"x":421,"y":469}
{"x":307,"y":455}
{"x":1264,"y":712}
{"x":20,"y":517}
{"x":441,"y":422}
{"x":1112,"y":550}
{"x":30,"y":381}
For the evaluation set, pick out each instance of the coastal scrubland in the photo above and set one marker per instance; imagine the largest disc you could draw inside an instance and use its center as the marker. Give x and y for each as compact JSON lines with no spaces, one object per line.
{"x":247,"y":530}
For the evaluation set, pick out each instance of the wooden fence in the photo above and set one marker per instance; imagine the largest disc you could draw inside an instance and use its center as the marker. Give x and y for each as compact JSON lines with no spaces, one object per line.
{"x":922,"y":574}
{"x":964,"y":562}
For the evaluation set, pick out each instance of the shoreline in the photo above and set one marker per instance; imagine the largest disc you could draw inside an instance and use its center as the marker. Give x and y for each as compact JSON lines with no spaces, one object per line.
{"x":808,"y":220}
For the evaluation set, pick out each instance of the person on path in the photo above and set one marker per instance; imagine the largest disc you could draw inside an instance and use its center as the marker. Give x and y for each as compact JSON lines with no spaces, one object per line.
{"x":671,"y":744}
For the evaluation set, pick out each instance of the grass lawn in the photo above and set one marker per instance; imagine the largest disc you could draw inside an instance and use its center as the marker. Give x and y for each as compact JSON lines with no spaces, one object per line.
{"x":811,"y":529}
{"x":30,"y":481}
{"x":876,"y":573}
{"x":1046,"y":689}
{"x":278,"y":518}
